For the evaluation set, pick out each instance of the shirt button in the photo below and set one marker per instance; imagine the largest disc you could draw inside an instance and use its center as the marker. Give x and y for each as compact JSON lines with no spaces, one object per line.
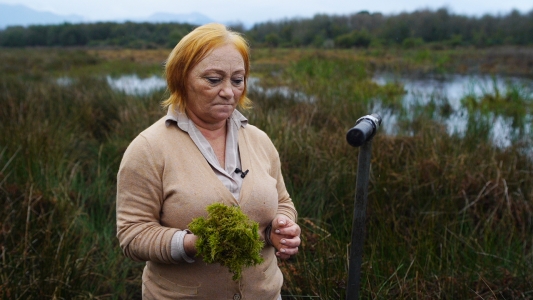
{"x":236,"y":297}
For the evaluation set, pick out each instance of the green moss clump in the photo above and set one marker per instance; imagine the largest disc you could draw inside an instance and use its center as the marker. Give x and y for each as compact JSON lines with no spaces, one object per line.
{"x":228,"y":237}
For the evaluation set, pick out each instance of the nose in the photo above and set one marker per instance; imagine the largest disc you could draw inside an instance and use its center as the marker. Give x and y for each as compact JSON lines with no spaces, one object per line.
{"x":226,"y":90}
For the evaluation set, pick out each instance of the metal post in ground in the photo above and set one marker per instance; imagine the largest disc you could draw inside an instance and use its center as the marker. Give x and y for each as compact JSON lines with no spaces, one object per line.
{"x":360,"y":135}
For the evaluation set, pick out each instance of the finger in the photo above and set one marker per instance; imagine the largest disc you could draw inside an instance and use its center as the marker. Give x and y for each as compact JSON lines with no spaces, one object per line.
{"x":290,"y":242}
{"x":289,"y":251}
{"x":293,"y":230}
{"x":281,"y":222}
{"x":282,"y":255}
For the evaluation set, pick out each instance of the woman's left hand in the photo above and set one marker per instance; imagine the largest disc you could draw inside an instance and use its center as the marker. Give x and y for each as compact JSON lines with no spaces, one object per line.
{"x":285,"y":236}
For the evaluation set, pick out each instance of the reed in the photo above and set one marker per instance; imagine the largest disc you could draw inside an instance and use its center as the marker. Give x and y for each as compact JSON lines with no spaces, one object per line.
{"x":450,"y":216}
{"x":61,"y":146}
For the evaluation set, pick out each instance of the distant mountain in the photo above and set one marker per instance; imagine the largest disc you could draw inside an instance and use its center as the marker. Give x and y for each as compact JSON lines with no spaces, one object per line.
{"x":20,"y":15}
{"x":192,"y":18}
{"x":12,"y":15}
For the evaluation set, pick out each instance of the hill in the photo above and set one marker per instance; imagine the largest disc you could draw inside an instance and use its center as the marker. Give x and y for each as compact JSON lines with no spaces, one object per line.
{"x":20,"y":15}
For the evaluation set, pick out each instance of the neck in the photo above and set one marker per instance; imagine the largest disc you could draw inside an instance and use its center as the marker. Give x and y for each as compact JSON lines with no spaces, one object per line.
{"x":207,"y":128}
{"x":213,"y":133}
{"x":216,"y":136}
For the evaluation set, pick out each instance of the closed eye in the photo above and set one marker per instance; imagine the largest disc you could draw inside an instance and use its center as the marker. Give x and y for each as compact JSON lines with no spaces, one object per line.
{"x":213,"y":80}
{"x":237,"y":81}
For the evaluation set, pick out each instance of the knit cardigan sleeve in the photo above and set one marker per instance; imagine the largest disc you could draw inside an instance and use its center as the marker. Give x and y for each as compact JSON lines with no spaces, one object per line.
{"x":139,"y":201}
{"x":285,"y":204}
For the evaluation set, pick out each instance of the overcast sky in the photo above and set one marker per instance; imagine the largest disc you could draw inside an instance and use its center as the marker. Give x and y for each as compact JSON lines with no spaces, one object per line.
{"x":251,"y":11}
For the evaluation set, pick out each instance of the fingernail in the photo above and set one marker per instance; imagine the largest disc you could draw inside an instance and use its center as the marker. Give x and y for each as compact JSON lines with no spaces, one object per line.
{"x":283,"y":241}
{"x":282,"y":222}
{"x":282,"y":250}
{"x":277,"y":231}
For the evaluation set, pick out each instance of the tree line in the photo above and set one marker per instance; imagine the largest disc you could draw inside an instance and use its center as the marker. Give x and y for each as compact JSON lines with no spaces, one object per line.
{"x":127,"y":35}
{"x":362,"y":29}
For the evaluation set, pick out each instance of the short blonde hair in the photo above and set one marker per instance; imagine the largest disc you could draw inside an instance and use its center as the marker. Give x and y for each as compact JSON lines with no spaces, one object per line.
{"x":194,"y":47}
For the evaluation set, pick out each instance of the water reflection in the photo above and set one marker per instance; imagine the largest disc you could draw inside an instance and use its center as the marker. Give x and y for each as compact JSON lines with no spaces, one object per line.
{"x":253,"y":85}
{"x":440,"y":90}
{"x":64,"y":81}
{"x":452,"y":87}
{"x":134,"y":85}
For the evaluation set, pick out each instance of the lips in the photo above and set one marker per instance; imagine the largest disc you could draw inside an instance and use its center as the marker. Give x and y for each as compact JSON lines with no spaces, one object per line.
{"x":225,"y":104}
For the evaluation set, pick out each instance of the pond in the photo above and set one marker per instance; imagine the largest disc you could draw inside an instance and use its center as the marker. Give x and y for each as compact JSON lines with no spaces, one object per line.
{"x":134,"y":85}
{"x":451,"y":89}
{"x":420,"y":91}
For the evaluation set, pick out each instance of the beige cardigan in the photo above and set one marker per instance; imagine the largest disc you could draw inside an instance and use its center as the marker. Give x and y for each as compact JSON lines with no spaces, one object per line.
{"x":164,"y":182}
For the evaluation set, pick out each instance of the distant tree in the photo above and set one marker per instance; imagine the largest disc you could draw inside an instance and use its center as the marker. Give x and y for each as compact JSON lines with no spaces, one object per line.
{"x":412,"y":42}
{"x":361,"y":29}
{"x":396,"y":29}
{"x":237,"y":26}
{"x":272,"y":39}
{"x":72,"y":35}
{"x":37,"y":35}
{"x":357,"y":38}
{"x":175,"y":36}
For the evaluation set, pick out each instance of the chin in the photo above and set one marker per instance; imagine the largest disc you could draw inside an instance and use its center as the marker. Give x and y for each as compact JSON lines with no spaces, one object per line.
{"x":221,"y":116}
{"x":225,"y":110}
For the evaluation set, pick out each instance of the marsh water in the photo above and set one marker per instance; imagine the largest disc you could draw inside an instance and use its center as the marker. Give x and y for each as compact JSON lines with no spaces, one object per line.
{"x":449,"y":90}
{"x":445,"y":90}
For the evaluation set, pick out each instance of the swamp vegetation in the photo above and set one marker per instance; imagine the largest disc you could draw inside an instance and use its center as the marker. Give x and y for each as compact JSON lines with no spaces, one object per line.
{"x":450,"y":215}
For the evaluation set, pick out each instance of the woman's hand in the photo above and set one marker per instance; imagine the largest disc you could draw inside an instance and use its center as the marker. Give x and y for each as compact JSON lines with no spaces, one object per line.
{"x":189,"y":244}
{"x":285,"y":236}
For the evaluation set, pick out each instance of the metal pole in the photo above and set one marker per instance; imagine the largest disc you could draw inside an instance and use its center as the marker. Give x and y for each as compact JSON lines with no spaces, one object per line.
{"x":358,"y":224}
{"x":360,"y":135}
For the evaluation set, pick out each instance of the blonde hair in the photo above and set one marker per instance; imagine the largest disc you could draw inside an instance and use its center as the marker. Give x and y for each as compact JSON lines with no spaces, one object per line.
{"x":194,"y":47}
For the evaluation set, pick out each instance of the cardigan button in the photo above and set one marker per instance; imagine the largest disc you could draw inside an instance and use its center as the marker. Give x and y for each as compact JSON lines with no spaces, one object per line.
{"x":237,"y":297}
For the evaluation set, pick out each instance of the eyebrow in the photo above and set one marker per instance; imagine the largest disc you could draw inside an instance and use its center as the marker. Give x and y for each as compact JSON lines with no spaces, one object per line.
{"x":220,"y":71}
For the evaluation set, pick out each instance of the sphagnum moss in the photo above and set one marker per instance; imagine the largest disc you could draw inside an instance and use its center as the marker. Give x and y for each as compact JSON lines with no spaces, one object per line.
{"x":228,"y":237}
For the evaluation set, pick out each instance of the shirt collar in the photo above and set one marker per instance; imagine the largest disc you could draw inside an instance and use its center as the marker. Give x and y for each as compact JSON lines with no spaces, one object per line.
{"x":181,"y":119}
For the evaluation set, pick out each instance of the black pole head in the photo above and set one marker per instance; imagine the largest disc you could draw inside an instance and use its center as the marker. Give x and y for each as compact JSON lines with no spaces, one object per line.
{"x":365,"y":128}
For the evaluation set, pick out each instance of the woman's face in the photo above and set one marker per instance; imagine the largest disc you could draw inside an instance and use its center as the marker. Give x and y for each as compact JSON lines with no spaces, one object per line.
{"x":214,"y":87}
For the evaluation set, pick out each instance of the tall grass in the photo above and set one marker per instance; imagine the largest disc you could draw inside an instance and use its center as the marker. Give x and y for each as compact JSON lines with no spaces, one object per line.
{"x":449,"y":216}
{"x":60,"y":149}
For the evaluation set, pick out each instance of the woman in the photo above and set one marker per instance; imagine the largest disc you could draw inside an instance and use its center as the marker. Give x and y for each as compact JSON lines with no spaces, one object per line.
{"x":203,"y":151}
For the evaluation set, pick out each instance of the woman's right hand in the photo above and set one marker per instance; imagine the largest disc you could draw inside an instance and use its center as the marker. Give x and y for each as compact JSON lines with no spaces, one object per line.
{"x":285,"y":236}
